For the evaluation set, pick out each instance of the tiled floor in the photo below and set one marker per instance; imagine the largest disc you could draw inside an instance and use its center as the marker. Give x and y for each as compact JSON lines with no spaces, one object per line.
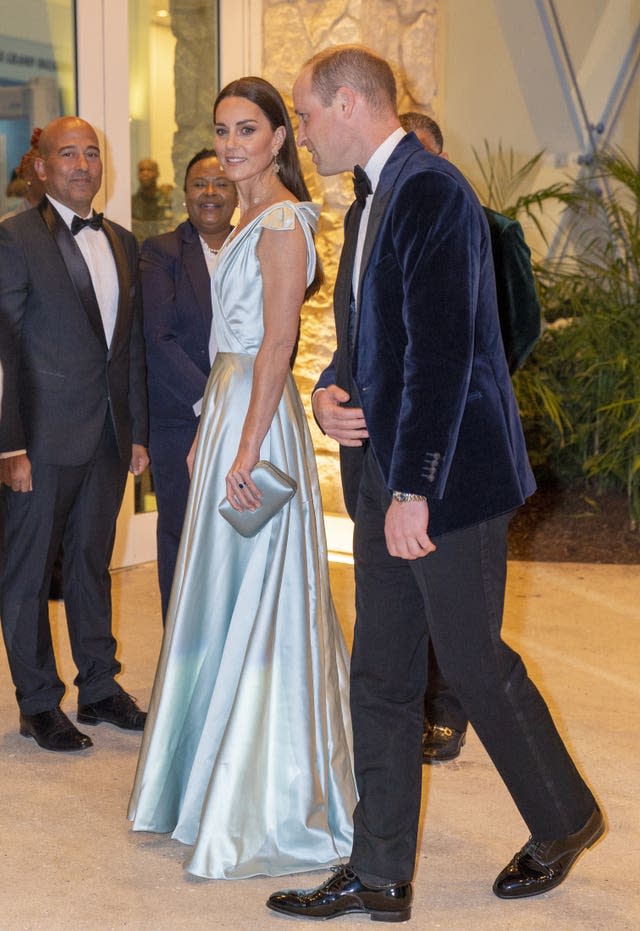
{"x":69,"y":860}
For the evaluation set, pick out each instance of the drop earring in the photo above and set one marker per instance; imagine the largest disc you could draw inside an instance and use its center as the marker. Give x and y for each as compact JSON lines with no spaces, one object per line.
{"x":276,"y":163}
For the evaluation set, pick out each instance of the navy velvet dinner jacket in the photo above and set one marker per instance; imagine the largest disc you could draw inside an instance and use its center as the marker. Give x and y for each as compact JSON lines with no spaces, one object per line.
{"x":428,"y":360}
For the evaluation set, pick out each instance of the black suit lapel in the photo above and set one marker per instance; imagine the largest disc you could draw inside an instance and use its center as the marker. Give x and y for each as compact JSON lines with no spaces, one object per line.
{"x":76,"y":266}
{"x":376,"y":213}
{"x":196,"y":266}
{"x":405,"y":148}
{"x":342,"y":300}
{"x":124,"y":284}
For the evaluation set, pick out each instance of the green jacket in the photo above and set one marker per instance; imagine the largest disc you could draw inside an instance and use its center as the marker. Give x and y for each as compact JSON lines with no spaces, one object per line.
{"x":518,"y":305}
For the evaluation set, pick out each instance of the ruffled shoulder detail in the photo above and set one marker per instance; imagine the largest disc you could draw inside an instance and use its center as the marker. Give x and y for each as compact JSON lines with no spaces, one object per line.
{"x":282,"y":216}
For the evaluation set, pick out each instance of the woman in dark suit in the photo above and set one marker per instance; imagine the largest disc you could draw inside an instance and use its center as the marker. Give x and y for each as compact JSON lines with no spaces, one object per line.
{"x":175,"y":271}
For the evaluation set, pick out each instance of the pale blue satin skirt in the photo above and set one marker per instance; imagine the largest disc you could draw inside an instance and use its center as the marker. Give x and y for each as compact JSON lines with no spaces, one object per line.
{"x":247,"y":753}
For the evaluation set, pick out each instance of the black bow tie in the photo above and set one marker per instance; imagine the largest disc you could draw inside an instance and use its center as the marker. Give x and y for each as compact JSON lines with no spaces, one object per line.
{"x":361,"y":185}
{"x":95,"y":222}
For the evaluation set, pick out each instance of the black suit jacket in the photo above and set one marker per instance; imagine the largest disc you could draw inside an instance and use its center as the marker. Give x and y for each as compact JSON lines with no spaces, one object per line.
{"x":60,"y":379}
{"x":428,"y":360}
{"x":176,"y":299}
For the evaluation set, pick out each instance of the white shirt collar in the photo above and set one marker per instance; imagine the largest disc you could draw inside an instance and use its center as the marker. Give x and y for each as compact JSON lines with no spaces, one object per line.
{"x":65,"y":212}
{"x":381,"y":155}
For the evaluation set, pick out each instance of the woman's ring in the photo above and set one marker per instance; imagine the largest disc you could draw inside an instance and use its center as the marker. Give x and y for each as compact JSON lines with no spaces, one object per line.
{"x":240,"y":484}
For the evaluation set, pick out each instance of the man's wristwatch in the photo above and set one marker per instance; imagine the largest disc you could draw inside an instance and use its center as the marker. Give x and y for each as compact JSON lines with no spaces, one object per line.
{"x":406,"y":496}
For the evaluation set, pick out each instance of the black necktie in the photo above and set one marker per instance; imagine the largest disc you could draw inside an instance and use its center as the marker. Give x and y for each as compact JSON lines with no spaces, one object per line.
{"x":361,"y":185}
{"x":77,"y":224}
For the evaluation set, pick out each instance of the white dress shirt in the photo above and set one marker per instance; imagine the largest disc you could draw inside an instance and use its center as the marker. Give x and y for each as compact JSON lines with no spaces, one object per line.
{"x":96,"y":252}
{"x":373,"y":169}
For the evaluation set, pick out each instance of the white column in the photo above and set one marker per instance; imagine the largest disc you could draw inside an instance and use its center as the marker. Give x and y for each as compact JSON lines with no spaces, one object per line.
{"x":240,"y":31}
{"x":103,"y":95}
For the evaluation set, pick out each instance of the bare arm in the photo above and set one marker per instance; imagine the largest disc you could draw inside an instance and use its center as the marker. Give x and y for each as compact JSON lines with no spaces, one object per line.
{"x":283,"y":262}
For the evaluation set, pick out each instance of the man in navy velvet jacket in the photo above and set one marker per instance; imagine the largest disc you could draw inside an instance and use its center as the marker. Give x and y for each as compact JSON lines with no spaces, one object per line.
{"x":442,"y":465}
{"x":445,"y":724}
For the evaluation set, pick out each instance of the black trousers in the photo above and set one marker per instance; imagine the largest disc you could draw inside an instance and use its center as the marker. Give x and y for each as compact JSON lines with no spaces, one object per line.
{"x":168,"y":448}
{"x":455,"y":597}
{"x":441,"y":706}
{"x":76,"y":506}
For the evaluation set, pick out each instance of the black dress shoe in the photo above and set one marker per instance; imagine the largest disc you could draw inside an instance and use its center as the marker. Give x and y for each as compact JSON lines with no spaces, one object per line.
{"x":441,"y":743}
{"x":119,"y":709}
{"x":542,"y":865}
{"x":342,"y":894}
{"x":53,"y":730}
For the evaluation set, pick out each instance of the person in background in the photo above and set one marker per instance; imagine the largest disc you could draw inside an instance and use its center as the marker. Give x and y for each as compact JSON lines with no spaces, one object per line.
{"x":34,"y":192}
{"x":33,"y":186}
{"x":419,"y":388}
{"x":518,"y":304}
{"x":445,"y":725}
{"x":151,"y":210}
{"x":74,"y":420}
{"x":16,"y":186}
{"x":175,"y":270}
{"x":149,"y":201}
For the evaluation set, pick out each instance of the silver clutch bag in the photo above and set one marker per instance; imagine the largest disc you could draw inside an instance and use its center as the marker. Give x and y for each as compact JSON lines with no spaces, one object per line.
{"x":276,"y":487}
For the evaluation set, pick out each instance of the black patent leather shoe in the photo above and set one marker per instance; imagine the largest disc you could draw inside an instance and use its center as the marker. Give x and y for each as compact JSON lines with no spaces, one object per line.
{"x":119,"y":709}
{"x":52,"y":730}
{"x":344,"y":894}
{"x":441,"y":743}
{"x":543,"y":865}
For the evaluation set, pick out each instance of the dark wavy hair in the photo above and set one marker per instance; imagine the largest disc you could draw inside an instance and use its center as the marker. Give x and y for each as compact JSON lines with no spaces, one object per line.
{"x":198,"y":157}
{"x":270,"y":101}
{"x":265,"y":96}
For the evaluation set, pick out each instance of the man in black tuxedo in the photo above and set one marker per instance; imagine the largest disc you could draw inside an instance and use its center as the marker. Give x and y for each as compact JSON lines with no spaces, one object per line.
{"x":445,"y":725}
{"x":442,"y":465}
{"x":74,"y":419}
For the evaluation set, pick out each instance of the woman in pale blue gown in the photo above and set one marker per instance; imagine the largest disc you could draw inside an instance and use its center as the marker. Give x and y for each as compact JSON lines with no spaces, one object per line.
{"x":247,"y":751}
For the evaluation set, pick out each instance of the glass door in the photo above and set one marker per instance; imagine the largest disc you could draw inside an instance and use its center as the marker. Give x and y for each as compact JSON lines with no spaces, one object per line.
{"x":37,"y":84}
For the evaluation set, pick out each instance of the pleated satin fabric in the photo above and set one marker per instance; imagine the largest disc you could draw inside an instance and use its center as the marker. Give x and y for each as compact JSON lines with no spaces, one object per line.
{"x":247,"y":752}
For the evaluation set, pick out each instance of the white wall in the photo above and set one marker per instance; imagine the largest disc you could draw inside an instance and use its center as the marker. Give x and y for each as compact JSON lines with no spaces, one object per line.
{"x":499,"y":80}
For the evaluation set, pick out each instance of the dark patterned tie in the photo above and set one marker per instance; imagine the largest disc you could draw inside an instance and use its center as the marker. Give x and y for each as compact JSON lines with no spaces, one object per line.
{"x":95,"y":222}
{"x":361,"y":185}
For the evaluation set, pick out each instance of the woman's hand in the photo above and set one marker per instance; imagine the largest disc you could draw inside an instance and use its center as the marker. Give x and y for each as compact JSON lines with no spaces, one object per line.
{"x":242,"y":492}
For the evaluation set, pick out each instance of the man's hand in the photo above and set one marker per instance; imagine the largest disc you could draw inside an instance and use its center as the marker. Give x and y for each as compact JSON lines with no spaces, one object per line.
{"x":344,"y":424}
{"x":405,"y":529}
{"x":139,"y":459}
{"x":15,"y":471}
